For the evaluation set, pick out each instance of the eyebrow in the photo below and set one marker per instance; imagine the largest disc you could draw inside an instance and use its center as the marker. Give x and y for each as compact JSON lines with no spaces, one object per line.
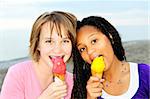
{"x":92,"y":34}
{"x":88,"y":37}
{"x":65,"y":38}
{"x":78,"y":44}
{"x":47,"y":38}
{"x":52,"y":38}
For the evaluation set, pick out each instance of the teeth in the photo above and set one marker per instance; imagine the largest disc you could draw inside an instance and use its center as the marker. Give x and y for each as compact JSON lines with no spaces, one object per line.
{"x":56,"y":56}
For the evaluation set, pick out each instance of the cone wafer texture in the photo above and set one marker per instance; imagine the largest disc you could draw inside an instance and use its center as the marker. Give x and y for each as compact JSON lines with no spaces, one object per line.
{"x":60,"y":76}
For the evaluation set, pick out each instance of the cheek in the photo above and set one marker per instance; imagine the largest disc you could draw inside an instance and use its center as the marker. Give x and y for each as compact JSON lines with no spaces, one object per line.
{"x":86,"y":58}
{"x":107,"y":47}
{"x":44,"y":50}
{"x":109,"y":56}
{"x":109,"y":51}
{"x":67,"y":49}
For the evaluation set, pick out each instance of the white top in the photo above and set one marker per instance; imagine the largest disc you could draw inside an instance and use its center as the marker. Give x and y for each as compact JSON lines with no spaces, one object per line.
{"x":133,"y":86}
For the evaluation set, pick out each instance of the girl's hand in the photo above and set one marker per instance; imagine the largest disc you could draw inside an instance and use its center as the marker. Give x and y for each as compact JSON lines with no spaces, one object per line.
{"x":94,"y":87}
{"x":54,"y":91}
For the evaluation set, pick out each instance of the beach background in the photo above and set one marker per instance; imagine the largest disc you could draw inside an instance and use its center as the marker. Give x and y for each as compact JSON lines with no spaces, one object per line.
{"x":136,"y":51}
{"x":130,"y":18}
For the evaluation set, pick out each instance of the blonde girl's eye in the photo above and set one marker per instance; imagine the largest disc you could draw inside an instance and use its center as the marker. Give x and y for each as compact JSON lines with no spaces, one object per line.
{"x":49,"y":41}
{"x":66,"y":41}
{"x":93,"y":41}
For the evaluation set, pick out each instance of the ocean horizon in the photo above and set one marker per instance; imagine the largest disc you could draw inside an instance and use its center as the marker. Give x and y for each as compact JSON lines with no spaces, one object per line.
{"x":24,"y":54}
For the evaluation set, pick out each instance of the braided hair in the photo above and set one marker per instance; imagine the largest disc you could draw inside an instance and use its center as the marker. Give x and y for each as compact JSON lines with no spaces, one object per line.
{"x":82,"y":71}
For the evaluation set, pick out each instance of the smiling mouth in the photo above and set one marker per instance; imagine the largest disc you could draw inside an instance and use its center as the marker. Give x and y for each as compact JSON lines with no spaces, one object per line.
{"x":51,"y":57}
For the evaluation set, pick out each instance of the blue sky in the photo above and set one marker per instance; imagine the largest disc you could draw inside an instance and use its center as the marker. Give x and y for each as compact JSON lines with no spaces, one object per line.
{"x":130,"y":17}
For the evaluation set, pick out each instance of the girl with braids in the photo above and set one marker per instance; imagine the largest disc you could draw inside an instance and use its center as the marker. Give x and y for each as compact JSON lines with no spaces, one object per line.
{"x":121,"y":79}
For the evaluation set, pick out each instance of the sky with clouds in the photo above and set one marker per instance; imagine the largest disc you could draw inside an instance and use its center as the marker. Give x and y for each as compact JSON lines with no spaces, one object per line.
{"x":130,"y":17}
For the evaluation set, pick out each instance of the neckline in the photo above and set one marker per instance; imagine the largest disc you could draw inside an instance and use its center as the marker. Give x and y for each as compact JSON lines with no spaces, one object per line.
{"x":133,"y":85}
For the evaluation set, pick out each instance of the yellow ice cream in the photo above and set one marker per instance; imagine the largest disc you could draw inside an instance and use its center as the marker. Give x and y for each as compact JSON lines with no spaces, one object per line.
{"x":97,"y":66}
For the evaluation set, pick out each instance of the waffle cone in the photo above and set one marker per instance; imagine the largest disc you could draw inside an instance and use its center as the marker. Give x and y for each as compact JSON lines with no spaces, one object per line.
{"x":99,"y":75}
{"x":61,"y":77}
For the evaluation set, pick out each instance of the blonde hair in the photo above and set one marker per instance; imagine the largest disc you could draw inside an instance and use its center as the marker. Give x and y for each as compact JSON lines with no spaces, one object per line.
{"x":57,"y":19}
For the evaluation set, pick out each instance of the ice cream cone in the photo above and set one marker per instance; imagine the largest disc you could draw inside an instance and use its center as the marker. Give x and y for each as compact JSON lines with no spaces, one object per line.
{"x":61,"y":77}
{"x":98,"y":66}
{"x":59,"y":68}
{"x":99,"y":75}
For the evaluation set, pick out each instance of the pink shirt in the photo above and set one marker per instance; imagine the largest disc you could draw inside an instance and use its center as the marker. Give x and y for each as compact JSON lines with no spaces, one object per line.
{"x":21,"y":83}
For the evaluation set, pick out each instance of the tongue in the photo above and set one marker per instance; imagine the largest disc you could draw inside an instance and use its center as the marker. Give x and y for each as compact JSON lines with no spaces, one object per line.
{"x":59,"y":67}
{"x":56,"y":58}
